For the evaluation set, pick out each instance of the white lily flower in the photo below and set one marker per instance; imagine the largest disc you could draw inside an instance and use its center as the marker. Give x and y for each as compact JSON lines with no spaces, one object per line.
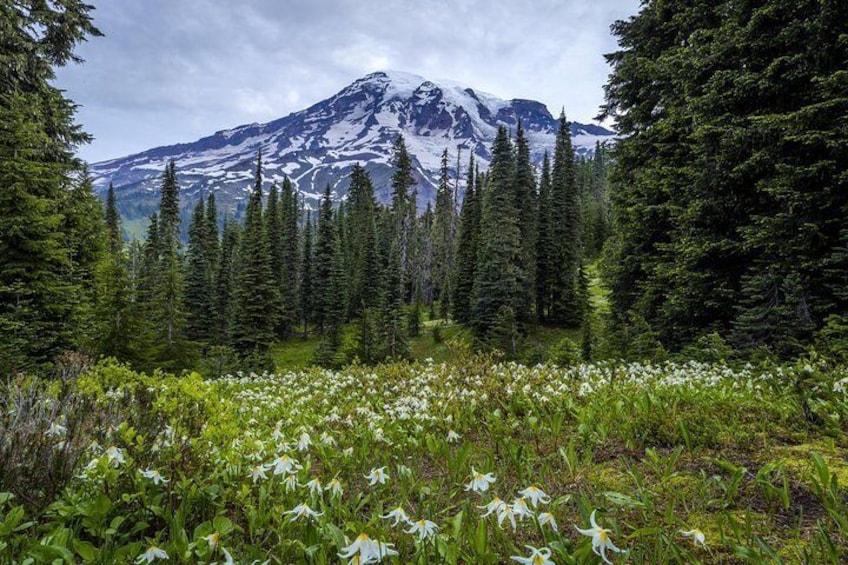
{"x":480,"y":482}
{"x":453,"y":437}
{"x":696,"y":535}
{"x":541,"y":556}
{"x":600,"y":539}
{"x":335,"y":487}
{"x":377,"y":475}
{"x":520,"y":508}
{"x":424,"y":528}
{"x":115,"y":455}
{"x":315,"y":487}
{"x":367,"y":550}
{"x":302,"y":511}
{"x":285,"y":464}
{"x":304,"y":442}
{"x":258,"y":472}
{"x":506,"y":512}
{"x":328,"y":440}
{"x":536,"y":495}
{"x":212,"y":539}
{"x":151,"y":555}
{"x":228,"y":559}
{"x":56,"y":430}
{"x":548,"y":518}
{"x":154,"y":476}
{"x":494,"y":506}
{"x":290,"y":483}
{"x":398,"y":515}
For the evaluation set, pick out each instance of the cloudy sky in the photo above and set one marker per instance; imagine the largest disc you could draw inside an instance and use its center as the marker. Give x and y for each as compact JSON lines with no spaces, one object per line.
{"x":170,"y":71}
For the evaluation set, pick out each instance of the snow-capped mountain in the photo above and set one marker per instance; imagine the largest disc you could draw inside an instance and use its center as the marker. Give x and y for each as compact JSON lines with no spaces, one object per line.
{"x":319,"y":145}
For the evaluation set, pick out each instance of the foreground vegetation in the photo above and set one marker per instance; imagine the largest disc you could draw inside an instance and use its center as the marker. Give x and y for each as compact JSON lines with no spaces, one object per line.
{"x":106,"y":465}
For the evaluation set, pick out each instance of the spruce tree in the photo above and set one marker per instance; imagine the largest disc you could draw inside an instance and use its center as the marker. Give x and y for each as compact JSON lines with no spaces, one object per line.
{"x":255,"y":296}
{"x":466,"y":250}
{"x":330,"y":305}
{"x":37,"y":139}
{"x":402,"y":206}
{"x":274,"y":234}
{"x":527,"y":213}
{"x":290,"y":215}
{"x":444,"y":241}
{"x":364,"y":268}
{"x":565,"y":231}
{"x":197,"y":295}
{"x":497,"y":292}
{"x":307,"y":268}
{"x":544,"y":244}
{"x":225,"y":280}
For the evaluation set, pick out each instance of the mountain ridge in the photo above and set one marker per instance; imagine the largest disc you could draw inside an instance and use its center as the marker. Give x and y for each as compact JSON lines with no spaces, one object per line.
{"x":319,"y":144}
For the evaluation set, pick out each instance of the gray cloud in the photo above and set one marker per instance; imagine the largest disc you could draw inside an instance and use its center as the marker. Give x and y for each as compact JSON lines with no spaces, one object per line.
{"x":169,"y":71}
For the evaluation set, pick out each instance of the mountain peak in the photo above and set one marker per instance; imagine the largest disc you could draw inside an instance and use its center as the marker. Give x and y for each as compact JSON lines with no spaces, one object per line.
{"x":319,"y":145}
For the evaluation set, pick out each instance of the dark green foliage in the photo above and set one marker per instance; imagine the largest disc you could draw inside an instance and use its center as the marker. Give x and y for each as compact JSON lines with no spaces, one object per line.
{"x":526,"y":209}
{"x":497,"y":292}
{"x":119,"y":327}
{"x":254,"y":296}
{"x":403,"y":207}
{"x":730,"y":178}
{"x":225,"y":280}
{"x":307,"y":267}
{"x":444,"y":241}
{"x":565,"y":252}
{"x":274,"y":234}
{"x":544,"y":244}
{"x":363,"y":264}
{"x":330,"y":306}
{"x":38,"y":302}
{"x":466,"y":250}
{"x":198,"y":281}
{"x":290,"y":215}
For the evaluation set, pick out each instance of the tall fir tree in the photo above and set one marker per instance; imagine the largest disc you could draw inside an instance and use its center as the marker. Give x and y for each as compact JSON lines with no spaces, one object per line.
{"x":497,"y":291}
{"x":290,"y":215}
{"x":565,"y":231}
{"x":527,"y":211}
{"x":255,"y":296}
{"x":274,"y":233}
{"x":364,"y":268}
{"x":330,"y":306}
{"x":306,"y":298}
{"x":444,"y":240}
{"x":225,"y":281}
{"x":197,"y":297}
{"x":403,"y":207}
{"x":38,"y":304}
{"x":466,"y":249}
{"x":544,"y":244}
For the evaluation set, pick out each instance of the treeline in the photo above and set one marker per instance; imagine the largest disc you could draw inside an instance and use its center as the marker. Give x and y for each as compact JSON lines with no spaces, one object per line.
{"x":731,"y":188}
{"x":510,"y":256}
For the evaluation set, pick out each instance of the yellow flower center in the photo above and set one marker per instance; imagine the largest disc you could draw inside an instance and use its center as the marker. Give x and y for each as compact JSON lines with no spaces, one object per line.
{"x":538,"y":560}
{"x":362,"y":537}
{"x":603,"y":535}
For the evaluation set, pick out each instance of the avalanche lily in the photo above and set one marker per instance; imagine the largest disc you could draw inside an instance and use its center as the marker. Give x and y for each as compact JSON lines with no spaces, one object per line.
{"x":493,"y":507}
{"x":302,"y":511}
{"x":696,"y":535}
{"x":424,"y":528}
{"x":258,"y":472}
{"x":600,"y":539}
{"x":152,"y":554}
{"x":116,"y":456}
{"x":480,"y":482}
{"x":398,"y":515}
{"x":367,"y":550}
{"x":548,"y":518}
{"x":541,"y":556}
{"x":377,"y":475}
{"x":535,"y":495}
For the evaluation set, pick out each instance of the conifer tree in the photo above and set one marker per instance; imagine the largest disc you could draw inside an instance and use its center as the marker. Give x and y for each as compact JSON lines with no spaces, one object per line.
{"x":254,"y":297}
{"x":466,"y":250}
{"x":544,"y":244}
{"x":444,"y":240}
{"x":224,"y":281}
{"x":330,"y":306}
{"x":198,"y":295}
{"x":565,"y":231}
{"x":497,"y":294}
{"x":37,"y":139}
{"x":274,"y":234}
{"x":403,"y":207}
{"x":526,"y":209}
{"x":307,"y":267}
{"x":290,"y":215}
{"x":364,"y":268}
